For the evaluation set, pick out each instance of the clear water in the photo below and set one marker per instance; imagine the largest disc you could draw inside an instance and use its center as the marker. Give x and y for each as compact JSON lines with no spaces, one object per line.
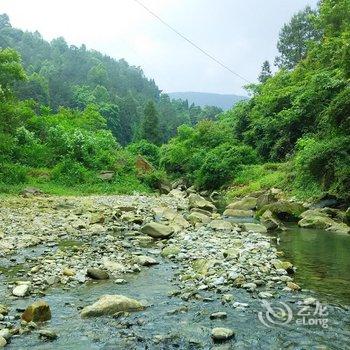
{"x":322,"y":259}
{"x":323,"y":266}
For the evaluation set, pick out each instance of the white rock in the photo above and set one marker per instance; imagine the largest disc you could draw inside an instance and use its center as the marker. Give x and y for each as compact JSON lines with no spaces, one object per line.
{"x":21,"y":290}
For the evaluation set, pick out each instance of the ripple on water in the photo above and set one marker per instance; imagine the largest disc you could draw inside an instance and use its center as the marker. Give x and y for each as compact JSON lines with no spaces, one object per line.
{"x":189,"y":330}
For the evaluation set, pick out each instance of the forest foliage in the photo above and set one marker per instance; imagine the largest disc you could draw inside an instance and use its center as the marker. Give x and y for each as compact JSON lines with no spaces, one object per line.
{"x":299,"y":115}
{"x":68,"y":113}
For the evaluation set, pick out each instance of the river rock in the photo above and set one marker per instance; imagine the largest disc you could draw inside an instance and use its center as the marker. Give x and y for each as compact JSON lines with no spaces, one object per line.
{"x":270,"y":221}
{"x":218,"y":315}
{"x":265,"y":295}
{"x":113,"y":266}
{"x":315,"y":218}
{"x":195,"y":218}
{"x":254,"y":227}
{"x":5,"y":333}
{"x":265,"y":199}
{"x":283,"y":210}
{"x":180,"y":221}
{"x":97,"y":274}
{"x":21,"y":290}
{"x":156,"y":230}
{"x":48,"y":334}
{"x":310,"y":301}
{"x":31,"y":191}
{"x":221,"y":334}
{"x":293,"y":286}
{"x":320,"y":219}
{"x":106,"y":175}
{"x":110,"y":304}
{"x":201,"y":266}
{"x":197,"y":201}
{"x":3,"y":309}
{"x":221,"y":225}
{"x":39,"y":311}
{"x":170,"y":250}
{"x":97,"y":218}
{"x":347,"y":216}
{"x":246,"y":203}
{"x":144,"y":260}
{"x":68,"y":272}
{"x":177,"y":193}
{"x":3,"y":342}
{"x":238,"y":213}
{"x":285,"y":265}
{"x":339,"y":227}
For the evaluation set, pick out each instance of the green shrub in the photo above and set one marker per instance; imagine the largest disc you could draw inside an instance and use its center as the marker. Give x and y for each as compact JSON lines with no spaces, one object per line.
{"x":148,"y":150}
{"x":70,"y":172}
{"x":222,"y":163}
{"x":323,"y":165}
{"x":13,"y":174}
{"x":154,"y":179}
{"x":259,"y":177}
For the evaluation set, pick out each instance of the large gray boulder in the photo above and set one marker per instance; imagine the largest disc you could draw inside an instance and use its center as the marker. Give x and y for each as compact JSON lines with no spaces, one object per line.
{"x":254,"y":227}
{"x":246,"y":203}
{"x":238,"y":213}
{"x":111,"y":304}
{"x":270,"y":221}
{"x":197,"y":201}
{"x":156,"y":230}
{"x":197,"y":217}
{"x":283,"y":210}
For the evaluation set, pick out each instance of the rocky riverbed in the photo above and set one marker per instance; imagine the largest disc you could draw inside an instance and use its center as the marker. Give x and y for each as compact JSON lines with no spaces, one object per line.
{"x":149,"y":271}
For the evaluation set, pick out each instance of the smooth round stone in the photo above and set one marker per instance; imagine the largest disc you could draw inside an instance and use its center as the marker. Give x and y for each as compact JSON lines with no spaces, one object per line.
{"x":221,"y":334}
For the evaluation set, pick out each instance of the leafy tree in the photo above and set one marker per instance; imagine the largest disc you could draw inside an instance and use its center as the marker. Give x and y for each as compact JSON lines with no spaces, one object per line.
{"x":11,"y":71}
{"x":4,"y":21}
{"x":146,"y":149}
{"x":295,"y":37}
{"x":150,"y":127}
{"x":265,"y":72}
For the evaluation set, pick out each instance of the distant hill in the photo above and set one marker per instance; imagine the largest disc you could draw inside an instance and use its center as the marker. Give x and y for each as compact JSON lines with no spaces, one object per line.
{"x":225,"y":102}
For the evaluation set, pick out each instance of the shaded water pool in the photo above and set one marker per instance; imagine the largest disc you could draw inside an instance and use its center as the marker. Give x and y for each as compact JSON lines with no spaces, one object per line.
{"x":322,"y":259}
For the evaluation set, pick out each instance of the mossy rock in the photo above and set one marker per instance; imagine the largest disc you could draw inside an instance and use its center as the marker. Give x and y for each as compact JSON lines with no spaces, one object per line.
{"x":285,"y":211}
{"x":170,"y":250}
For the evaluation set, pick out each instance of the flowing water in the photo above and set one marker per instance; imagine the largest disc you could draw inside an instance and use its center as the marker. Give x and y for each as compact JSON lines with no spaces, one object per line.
{"x":322,"y":267}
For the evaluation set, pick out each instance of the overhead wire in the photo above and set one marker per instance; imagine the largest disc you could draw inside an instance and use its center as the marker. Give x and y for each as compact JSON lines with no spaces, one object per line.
{"x":206,"y":53}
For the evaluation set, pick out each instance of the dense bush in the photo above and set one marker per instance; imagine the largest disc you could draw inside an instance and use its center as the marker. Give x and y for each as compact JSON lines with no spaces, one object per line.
{"x":207,"y":154}
{"x":70,"y":172}
{"x":323,"y":165}
{"x":222,"y":163}
{"x":146,"y":149}
{"x":154,"y":179}
{"x":13,"y":174}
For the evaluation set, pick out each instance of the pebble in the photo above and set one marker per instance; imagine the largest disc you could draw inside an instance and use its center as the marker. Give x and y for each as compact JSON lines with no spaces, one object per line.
{"x":21,"y":290}
{"x":48,"y":334}
{"x":218,"y":315}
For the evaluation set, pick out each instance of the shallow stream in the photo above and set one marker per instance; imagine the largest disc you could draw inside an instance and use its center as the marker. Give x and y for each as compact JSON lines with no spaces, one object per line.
{"x":322,"y":267}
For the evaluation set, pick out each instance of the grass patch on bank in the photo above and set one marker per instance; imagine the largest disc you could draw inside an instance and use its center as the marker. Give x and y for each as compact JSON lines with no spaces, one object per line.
{"x":259,"y":177}
{"x":124,"y":184}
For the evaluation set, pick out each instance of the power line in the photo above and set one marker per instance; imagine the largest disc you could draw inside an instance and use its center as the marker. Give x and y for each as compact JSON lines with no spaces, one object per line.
{"x":190,"y":41}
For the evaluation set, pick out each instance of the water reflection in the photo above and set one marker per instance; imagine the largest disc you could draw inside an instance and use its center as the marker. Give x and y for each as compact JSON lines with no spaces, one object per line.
{"x":322,"y":259}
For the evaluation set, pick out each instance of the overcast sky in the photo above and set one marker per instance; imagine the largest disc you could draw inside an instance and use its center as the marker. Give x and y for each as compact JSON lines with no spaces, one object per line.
{"x":241,"y":33}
